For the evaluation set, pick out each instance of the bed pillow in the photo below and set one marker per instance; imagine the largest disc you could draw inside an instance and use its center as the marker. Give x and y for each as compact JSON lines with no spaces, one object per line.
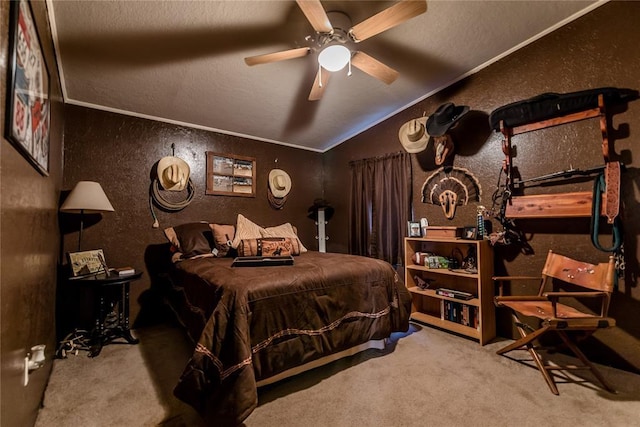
{"x":283,"y":230}
{"x":191,"y":239}
{"x":268,"y":246}
{"x":246,"y":229}
{"x":222,"y":238}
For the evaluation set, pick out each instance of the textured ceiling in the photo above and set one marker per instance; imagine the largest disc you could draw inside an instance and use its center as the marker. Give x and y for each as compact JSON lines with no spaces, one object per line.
{"x":183,"y":61}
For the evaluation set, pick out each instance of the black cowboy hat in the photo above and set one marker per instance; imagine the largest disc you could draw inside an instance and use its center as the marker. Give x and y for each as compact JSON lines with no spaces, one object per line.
{"x":318,"y":204}
{"x":445,"y":116}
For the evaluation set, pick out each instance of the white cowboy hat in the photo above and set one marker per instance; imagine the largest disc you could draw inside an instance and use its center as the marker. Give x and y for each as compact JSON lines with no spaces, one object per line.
{"x":173,"y":173}
{"x":279,"y":183}
{"x":413,"y":135}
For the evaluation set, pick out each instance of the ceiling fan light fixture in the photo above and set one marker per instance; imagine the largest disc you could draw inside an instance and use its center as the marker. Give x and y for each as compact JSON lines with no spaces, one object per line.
{"x":334,"y":57}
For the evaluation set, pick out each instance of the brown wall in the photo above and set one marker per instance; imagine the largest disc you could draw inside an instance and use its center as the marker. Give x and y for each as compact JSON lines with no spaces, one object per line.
{"x":29,"y":247}
{"x":597,"y":50}
{"x":120,"y":152}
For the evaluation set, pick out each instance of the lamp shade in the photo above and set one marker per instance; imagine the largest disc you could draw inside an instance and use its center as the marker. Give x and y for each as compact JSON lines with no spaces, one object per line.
{"x":87,"y":197}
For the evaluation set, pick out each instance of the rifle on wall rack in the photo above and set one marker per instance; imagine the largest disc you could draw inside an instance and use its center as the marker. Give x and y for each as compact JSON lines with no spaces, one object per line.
{"x":568,"y":173}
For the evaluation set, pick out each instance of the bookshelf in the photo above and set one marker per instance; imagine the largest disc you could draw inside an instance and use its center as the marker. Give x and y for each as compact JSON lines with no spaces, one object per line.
{"x":474,"y":317}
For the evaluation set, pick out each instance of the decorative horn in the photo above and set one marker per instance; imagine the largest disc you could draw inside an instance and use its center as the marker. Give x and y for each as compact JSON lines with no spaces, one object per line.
{"x":449,"y":201}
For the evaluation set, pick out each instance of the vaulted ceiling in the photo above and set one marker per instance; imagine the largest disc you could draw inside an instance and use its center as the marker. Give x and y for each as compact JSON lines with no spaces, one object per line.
{"x":183,"y":61}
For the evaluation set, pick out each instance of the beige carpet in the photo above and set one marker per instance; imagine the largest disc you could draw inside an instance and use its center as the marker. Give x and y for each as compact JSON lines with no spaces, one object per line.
{"x":426,"y":377}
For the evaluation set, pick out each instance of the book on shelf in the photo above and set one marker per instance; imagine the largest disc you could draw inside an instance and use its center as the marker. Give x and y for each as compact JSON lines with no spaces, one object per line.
{"x":123,"y":271}
{"x":452,"y":293}
{"x":458,"y":312}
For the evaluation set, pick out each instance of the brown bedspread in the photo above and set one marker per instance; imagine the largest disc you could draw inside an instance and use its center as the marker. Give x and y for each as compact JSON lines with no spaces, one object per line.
{"x":254,"y":322}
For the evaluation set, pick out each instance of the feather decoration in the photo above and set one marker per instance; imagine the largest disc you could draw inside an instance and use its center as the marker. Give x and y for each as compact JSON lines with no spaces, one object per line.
{"x":451,"y":188}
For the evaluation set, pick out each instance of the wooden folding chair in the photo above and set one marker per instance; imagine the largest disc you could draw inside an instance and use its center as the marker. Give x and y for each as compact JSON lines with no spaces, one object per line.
{"x":596,"y":282}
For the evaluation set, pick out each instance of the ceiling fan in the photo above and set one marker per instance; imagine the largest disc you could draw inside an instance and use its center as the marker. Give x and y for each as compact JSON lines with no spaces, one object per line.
{"x":331,"y":41}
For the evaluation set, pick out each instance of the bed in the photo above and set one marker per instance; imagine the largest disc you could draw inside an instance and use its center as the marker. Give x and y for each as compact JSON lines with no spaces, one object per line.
{"x":253,"y":325}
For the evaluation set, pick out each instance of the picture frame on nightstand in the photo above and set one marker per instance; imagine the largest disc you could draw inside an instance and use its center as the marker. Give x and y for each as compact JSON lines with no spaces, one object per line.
{"x":86,"y":263}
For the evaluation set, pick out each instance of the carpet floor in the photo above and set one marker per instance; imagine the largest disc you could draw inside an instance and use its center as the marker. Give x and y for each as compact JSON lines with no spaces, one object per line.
{"x":425,"y":377}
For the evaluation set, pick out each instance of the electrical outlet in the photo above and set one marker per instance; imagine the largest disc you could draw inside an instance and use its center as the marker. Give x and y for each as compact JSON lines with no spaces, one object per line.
{"x":33,"y":361}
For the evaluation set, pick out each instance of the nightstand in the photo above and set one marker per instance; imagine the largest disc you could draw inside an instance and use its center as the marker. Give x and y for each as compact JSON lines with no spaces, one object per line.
{"x":109,"y":290}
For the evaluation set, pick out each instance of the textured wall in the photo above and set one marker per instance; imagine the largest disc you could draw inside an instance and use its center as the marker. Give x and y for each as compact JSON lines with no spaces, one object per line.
{"x":120,"y":152}
{"x":29,"y":247}
{"x":597,"y":50}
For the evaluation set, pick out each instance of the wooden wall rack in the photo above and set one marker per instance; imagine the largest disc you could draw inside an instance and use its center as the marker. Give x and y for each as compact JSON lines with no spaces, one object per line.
{"x":560,"y":205}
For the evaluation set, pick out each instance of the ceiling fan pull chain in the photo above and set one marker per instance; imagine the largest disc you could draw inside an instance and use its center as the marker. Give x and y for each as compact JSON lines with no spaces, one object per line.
{"x":349,"y":73}
{"x":319,"y":75}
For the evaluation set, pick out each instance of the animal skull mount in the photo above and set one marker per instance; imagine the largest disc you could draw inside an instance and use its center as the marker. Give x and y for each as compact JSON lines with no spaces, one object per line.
{"x":451,"y":188}
{"x":448,"y":201}
{"x":443,"y":148}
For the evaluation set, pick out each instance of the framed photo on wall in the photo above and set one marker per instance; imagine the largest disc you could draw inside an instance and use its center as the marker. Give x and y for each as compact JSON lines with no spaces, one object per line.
{"x":28,"y":103}
{"x":230,"y":175}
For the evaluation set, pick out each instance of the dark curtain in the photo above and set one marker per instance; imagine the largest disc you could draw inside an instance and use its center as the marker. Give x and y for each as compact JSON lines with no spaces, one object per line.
{"x":380,"y":206}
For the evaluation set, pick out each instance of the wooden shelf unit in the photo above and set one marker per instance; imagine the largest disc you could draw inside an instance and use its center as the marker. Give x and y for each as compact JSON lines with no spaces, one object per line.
{"x":426,"y":304}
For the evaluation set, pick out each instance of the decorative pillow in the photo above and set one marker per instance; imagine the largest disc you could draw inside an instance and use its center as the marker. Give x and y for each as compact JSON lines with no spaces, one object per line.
{"x":245,"y":229}
{"x":191,"y":239}
{"x":172,"y":237}
{"x":222,"y":237}
{"x":283,"y":230}
{"x":268,"y":246}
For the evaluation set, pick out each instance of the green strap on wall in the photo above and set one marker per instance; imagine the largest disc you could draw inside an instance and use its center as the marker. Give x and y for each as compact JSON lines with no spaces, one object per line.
{"x":599,"y":187}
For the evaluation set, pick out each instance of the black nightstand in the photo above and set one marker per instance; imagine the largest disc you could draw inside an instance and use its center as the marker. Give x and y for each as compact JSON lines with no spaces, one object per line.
{"x":109,"y":290}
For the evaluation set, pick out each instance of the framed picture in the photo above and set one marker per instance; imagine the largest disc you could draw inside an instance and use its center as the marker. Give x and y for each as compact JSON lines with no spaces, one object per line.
{"x":230,"y":175}
{"x":413,"y":229}
{"x":28,"y":103}
{"x":86,"y":263}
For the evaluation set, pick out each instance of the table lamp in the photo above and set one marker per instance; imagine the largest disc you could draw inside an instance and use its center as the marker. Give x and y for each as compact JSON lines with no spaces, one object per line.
{"x":86,"y":197}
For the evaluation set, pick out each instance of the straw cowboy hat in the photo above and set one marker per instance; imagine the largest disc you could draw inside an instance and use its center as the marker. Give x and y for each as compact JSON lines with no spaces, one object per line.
{"x":413,"y":135}
{"x":445,"y":116}
{"x":173,"y":173}
{"x":279,"y":183}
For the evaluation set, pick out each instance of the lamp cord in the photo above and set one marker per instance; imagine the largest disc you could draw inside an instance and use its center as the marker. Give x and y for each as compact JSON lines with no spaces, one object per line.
{"x":155,"y":196}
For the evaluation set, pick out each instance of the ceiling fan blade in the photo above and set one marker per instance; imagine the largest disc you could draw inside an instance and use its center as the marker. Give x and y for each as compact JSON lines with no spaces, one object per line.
{"x":277,"y":56}
{"x":388,"y":18}
{"x":317,"y":90}
{"x":374,"y":68}
{"x":316,"y":15}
